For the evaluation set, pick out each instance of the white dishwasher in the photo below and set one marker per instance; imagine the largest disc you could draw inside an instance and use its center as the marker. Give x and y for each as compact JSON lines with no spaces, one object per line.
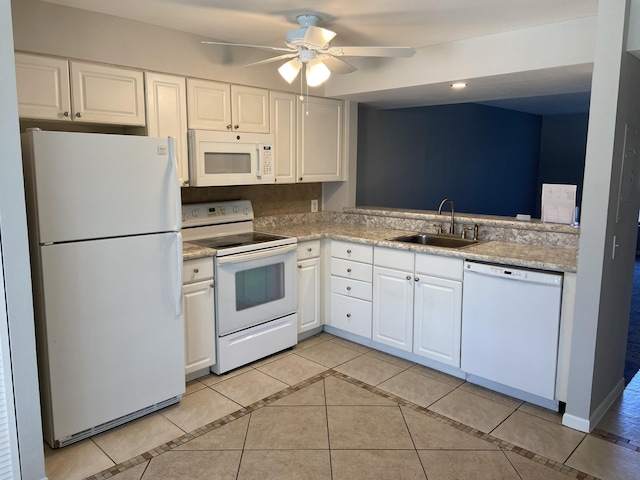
{"x":510,"y":326}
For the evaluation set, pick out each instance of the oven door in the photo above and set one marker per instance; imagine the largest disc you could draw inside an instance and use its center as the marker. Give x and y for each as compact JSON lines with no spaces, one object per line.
{"x":255,"y":287}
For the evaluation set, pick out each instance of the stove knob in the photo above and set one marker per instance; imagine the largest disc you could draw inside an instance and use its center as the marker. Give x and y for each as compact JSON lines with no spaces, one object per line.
{"x":235,"y":209}
{"x":246,"y":211}
{"x":194,"y":212}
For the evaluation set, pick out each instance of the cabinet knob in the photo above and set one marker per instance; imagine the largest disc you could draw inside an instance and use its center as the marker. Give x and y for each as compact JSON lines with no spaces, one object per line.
{"x":348,"y":315}
{"x":417,"y":279}
{"x":348,"y":288}
{"x":229,"y":127}
{"x":348,"y":270}
{"x":349,"y":251}
{"x":78,"y":114}
{"x":309,"y":249}
{"x":408,"y":277}
{"x":236,"y":127}
{"x":195,"y":270}
{"x":65,"y":114}
{"x":211,"y":285}
{"x":300,"y":179}
{"x":299,"y":266}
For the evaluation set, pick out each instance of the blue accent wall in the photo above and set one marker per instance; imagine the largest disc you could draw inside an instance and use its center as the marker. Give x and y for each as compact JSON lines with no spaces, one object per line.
{"x":486,"y":159}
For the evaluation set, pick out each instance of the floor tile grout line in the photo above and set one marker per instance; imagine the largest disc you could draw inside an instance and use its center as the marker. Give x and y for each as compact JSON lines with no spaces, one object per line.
{"x":415,"y":448}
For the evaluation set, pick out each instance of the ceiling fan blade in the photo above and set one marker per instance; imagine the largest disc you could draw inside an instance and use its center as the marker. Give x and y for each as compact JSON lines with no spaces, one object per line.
{"x":371,"y":51}
{"x":273,"y":59}
{"x":317,"y":37}
{"x":336,"y":64}
{"x":262,"y":47}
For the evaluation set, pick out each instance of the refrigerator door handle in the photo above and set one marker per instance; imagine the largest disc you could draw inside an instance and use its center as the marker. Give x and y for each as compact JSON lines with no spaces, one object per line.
{"x":174,"y":161}
{"x":179,"y":268}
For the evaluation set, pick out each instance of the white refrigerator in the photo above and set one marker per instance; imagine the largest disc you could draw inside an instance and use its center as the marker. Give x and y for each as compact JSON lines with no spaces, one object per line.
{"x":104,"y":226}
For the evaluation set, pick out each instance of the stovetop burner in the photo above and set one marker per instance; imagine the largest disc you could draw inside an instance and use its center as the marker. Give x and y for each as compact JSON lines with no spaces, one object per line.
{"x":237,"y":240}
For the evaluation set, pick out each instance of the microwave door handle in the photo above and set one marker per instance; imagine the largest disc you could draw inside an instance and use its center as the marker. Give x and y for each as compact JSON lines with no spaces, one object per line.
{"x":258,"y":163}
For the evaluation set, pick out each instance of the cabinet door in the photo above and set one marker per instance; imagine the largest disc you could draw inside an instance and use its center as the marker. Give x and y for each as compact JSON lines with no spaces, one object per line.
{"x":199,"y":326}
{"x":351,"y":315}
{"x":308,"y":294}
{"x":438,"y":319}
{"x":43,"y":87}
{"x":208,"y":105}
{"x":249,"y":109}
{"x":282,"y":109}
{"x":167,"y":115}
{"x":103,"y":94}
{"x":320,"y":140}
{"x":393,"y":308}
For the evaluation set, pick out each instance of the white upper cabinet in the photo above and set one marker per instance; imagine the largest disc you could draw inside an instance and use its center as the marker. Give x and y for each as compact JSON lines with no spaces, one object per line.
{"x":221,"y":106}
{"x":104,"y":94}
{"x":320,"y":140}
{"x":167,"y":115}
{"x":43,"y":87}
{"x":56,"y":89}
{"x":283,"y":126}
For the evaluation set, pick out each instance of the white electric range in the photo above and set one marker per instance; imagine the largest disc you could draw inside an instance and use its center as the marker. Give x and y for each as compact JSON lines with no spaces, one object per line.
{"x":255,"y":282}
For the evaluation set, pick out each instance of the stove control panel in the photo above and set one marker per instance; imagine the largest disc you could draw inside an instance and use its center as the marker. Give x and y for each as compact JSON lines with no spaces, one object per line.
{"x":216,"y":213}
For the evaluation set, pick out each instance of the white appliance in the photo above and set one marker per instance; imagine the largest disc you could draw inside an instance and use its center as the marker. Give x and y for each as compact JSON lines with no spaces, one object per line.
{"x":255,"y":282}
{"x":104,"y":219}
{"x":510,"y":328}
{"x":230,"y":158}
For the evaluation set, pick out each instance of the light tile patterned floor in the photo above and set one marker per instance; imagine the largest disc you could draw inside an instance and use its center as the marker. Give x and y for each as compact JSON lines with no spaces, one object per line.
{"x":331,"y":409}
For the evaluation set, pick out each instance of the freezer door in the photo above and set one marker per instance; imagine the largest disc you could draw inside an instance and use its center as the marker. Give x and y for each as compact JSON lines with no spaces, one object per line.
{"x":113,"y":327}
{"x":89,"y":186}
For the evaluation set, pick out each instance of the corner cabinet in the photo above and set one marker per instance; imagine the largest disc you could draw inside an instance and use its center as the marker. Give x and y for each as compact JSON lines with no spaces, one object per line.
{"x":56,"y":89}
{"x":309,"y":279}
{"x":320,"y":140}
{"x":199,"y":314}
{"x":226,"y":107}
{"x":166,"y":109}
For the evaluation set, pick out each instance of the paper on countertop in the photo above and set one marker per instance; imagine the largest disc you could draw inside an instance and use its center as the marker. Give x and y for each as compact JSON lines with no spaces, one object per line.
{"x":558,"y":203}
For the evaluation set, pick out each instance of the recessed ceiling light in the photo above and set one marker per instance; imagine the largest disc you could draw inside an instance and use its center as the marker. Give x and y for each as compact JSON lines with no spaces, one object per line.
{"x":458,"y":85}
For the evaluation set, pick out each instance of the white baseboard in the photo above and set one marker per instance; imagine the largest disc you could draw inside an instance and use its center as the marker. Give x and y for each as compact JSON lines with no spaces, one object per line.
{"x":587,"y":425}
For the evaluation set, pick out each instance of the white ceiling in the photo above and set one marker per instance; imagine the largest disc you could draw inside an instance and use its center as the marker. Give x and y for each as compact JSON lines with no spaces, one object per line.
{"x":414,"y":23}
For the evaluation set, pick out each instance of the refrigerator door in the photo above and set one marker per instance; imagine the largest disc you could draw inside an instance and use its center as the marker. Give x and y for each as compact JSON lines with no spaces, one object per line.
{"x":114,"y":329}
{"x":116,"y":184}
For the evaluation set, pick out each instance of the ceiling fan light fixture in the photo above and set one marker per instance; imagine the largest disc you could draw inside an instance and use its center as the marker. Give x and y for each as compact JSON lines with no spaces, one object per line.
{"x":317,"y":72}
{"x":289,"y":71}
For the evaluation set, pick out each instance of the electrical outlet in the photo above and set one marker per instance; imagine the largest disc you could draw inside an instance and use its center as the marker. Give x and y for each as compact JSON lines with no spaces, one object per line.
{"x":314,"y":205}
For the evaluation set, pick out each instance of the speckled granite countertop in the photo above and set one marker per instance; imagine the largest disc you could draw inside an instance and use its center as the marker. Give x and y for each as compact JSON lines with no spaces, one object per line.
{"x":521,"y":255}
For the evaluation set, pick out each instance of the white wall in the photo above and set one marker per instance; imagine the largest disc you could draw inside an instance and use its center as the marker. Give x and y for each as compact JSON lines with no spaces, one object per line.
{"x":15,"y":257}
{"x":604,"y":281}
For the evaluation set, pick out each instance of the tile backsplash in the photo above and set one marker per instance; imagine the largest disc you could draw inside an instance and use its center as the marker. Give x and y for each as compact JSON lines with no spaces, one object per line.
{"x":267,"y":200}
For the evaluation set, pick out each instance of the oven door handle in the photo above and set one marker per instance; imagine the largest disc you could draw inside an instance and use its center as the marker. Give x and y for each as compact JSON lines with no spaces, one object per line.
{"x":257,"y":255}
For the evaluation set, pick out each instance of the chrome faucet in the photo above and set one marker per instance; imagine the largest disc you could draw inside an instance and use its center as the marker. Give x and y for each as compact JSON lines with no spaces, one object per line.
{"x":452,"y":227}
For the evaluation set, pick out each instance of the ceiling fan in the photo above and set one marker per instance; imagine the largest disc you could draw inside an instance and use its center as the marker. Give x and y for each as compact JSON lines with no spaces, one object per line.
{"x":309,"y":46}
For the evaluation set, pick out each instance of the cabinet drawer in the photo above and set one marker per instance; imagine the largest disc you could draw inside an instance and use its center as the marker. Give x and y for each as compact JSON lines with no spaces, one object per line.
{"x":308,"y":249}
{"x":352,"y":251}
{"x":354,"y":270}
{"x":444,"y":267}
{"x":351,"y":288}
{"x":393,"y":258}
{"x":197,"y":269}
{"x":351,"y":314}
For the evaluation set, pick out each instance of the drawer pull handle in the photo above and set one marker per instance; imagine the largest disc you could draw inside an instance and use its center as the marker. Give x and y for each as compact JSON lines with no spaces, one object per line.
{"x":348,"y":270}
{"x":309,"y":249}
{"x":195,"y":270}
{"x":348,"y":315}
{"x":349,"y":251}
{"x":348,"y":288}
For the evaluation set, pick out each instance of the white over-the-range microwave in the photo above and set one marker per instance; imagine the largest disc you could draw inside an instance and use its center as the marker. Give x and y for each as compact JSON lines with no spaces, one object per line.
{"x":230,"y":158}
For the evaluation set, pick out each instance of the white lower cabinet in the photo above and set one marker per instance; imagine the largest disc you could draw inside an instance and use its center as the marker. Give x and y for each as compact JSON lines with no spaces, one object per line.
{"x":309,"y":280}
{"x":199,"y":314}
{"x":350,"y":283}
{"x":417,"y":307}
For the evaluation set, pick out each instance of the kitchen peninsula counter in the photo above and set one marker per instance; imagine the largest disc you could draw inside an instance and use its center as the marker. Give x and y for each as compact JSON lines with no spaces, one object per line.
{"x":559,"y":259}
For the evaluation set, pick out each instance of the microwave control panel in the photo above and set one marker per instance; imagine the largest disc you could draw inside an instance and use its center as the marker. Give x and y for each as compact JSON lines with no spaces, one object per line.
{"x":267,"y":161}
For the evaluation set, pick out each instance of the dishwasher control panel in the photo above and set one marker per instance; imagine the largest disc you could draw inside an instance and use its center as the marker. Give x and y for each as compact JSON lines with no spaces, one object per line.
{"x":536,"y":276}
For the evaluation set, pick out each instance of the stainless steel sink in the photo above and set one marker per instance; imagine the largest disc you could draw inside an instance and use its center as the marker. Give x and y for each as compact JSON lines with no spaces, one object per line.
{"x":437,"y":240}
